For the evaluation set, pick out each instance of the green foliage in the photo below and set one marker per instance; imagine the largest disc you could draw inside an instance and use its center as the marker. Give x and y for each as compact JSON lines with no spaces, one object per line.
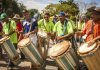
{"x":12,"y":7}
{"x":32,"y":12}
{"x":68,"y":7}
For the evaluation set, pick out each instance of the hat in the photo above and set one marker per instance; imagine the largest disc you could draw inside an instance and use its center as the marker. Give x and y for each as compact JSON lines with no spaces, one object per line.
{"x":16,"y":16}
{"x":3,"y":16}
{"x":62,"y":14}
{"x":97,"y":9}
{"x":94,"y":8}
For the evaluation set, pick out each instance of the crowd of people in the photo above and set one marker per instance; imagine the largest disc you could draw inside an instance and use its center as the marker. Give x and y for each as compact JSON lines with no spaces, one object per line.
{"x":59,"y":29}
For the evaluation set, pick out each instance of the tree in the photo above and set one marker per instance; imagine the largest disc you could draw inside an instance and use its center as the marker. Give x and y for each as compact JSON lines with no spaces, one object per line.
{"x":12,"y":6}
{"x":32,"y":12}
{"x":68,"y":7}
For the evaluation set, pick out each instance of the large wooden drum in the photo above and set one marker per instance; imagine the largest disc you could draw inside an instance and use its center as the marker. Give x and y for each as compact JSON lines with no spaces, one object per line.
{"x":64,"y":56}
{"x":90,"y":55}
{"x":10,"y":50}
{"x":31,"y":52}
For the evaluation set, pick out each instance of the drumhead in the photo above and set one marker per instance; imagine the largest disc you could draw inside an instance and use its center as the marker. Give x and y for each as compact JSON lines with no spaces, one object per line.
{"x":83,"y":49}
{"x":23,"y":42}
{"x":42,"y":33}
{"x":59,"y":48}
{"x":4,"y":38}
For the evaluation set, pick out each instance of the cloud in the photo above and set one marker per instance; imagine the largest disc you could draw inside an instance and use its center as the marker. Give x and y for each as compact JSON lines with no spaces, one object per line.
{"x":34,"y":4}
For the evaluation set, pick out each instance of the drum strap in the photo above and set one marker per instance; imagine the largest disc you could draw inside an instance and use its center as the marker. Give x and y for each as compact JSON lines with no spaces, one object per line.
{"x":30,"y":26}
{"x":44,"y":25}
{"x":65,"y":26}
{"x":24,"y":27}
{"x":92,"y":28}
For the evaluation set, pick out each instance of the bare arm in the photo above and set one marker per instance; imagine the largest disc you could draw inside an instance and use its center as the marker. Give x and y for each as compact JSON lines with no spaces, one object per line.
{"x":65,"y":36}
{"x":94,"y":40}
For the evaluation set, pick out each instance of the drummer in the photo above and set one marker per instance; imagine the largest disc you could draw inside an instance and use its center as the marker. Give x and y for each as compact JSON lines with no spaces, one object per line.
{"x":29,"y":26}
{"x":47,"y":26}
{"x":63,"y":29}
{"x":8,"y":28}
{"x":92,"y":28}
{"x":19,"y":26}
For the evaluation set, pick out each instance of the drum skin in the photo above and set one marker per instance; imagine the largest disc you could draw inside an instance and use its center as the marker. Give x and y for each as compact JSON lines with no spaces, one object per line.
{"x":92,"y":58}
{"x":67,"y":60}
{"x":30,"y":51}
{"x":10,"y":50}
{"x":42,"y":34}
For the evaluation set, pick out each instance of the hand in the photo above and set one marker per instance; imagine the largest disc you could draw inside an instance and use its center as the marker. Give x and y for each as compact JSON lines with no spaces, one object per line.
{"x":91,"y":43}
{"x":27,"y":35}
{"x":84,"y":37}
{"x":49,"y":34}
{"x":5,"y":35}
{"x":59,"y":38}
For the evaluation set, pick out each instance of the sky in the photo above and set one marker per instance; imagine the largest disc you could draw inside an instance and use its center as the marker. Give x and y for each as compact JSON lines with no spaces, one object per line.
{"x":40,"y":4}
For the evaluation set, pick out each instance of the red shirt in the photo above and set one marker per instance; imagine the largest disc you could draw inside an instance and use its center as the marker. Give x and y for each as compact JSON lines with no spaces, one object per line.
{"x":87,"y":29}
{"x":19,"y":26}
{"x":96,"y":29}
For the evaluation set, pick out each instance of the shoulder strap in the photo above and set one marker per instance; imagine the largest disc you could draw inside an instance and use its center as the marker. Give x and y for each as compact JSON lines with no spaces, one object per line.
{"x":65,"y":26}
{"x":92,"y":28}
{"x":24,"y":26}
{"x":30,"y":27}
{"x":44,"y":25}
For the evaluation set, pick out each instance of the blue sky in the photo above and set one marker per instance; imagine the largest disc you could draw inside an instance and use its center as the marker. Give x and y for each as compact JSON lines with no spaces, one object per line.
{"x":40,"y":4}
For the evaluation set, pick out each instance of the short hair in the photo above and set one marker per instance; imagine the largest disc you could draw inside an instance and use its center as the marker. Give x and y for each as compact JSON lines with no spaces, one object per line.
{"x":47,"y":14}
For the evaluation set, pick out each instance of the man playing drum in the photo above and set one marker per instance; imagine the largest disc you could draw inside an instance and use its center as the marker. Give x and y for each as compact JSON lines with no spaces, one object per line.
{"x":29,"y":26}
{"x":63,"y":28}
{"x":45,"y":25}
{"x":9,"y":28}
{"x":92,"y":28}
{"x":89,"y":51}
{"x":30,"y":29}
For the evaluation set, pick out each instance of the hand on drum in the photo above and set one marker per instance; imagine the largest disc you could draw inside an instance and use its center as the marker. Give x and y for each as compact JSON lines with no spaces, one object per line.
{"x":91,"y":43}
{"x":5,"y":35}
{"x":27,"y":35}
{"x":59,"y":38}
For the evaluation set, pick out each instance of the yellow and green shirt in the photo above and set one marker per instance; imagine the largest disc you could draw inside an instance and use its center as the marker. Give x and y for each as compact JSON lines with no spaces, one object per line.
{"x":9,"y":27}
{"x":59,"y":28}
{"x":46,"y":26}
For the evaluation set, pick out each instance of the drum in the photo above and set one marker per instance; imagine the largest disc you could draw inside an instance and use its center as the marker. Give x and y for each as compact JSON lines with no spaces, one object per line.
{"x":34,"y":38}
{"x":90,"y":55}
{"x":42,"y":34}
{"x":64,"y":56}
{"x":30,"y":51}
{"x":10,"y":50}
